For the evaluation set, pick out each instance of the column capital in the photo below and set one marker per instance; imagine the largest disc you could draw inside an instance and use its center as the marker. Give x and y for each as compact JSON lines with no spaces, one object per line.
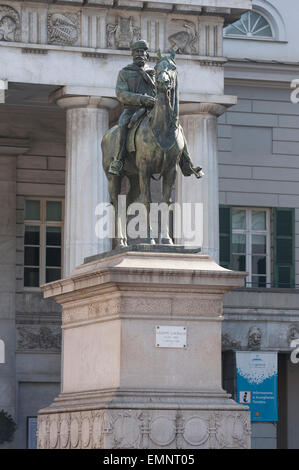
{"x":80,"y":97}
{"x":205,"y":103}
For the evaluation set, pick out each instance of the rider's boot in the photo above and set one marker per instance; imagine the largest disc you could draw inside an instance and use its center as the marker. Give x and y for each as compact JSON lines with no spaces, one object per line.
{"x":187,"y":166}
{"x":116,"y":167}
{"x":117,"y":164}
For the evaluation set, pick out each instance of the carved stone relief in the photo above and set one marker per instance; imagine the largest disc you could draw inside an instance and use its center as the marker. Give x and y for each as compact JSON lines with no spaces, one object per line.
{"x":42,"y":338}
{"x":184,"y":40}
{"x":144,"y":429}
{"x":63,"y":28}
{"x":229,"y":343}
{"x":254,"y":338}
{"x":10,"y":28}
{"x":293,"y":333}
{"x":122,"y":34}
{"x":56,"y":25}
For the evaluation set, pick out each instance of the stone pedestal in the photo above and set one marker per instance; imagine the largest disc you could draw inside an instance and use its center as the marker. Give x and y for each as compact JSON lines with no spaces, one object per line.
{"x":121,"y":388}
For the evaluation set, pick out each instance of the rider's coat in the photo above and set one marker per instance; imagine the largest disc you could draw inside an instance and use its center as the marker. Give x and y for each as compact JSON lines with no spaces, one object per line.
{"x":134,"y":82}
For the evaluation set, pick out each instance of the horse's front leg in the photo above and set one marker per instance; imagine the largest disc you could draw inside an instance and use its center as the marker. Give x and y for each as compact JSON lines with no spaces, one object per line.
{"x":145,"y":198}
{"x":168,"y":182}
{"x":114,"y":185}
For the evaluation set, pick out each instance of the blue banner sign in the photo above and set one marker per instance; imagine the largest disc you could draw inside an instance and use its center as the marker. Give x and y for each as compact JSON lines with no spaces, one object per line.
{"x":257,"y":384}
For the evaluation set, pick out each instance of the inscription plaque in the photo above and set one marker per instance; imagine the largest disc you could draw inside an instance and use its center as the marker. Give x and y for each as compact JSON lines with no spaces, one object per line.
{"x":171,"y":337}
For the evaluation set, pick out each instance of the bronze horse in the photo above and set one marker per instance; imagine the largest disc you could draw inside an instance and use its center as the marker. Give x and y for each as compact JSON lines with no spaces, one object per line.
{"x":159,"y":142}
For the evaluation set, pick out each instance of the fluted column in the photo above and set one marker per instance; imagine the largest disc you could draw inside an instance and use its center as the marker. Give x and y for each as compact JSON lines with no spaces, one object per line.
{"x":199,"y":121}
{"x":86,"y":184}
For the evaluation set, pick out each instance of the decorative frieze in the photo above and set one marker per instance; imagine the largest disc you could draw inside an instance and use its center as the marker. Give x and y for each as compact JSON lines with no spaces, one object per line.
{"x":144,"y":429}
{"x":34,"y":50}
{"x":122,"y":34}
{"x":185,"y":39}
{"x":63,"y":28}
{"x":39,"y":338}
{"x":109,"y":28}
{"x":10,"y":26}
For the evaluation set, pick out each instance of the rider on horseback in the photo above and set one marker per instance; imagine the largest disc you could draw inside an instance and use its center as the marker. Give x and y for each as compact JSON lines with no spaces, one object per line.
{"x":136,"y":90}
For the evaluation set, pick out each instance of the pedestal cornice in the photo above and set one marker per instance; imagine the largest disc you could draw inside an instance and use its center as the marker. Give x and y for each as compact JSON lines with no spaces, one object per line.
{"x":193,"y":272}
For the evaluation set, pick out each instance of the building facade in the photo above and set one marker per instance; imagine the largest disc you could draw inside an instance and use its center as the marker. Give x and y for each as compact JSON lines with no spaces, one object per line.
{"x":59,"y":69}
{"x":258,"y":178}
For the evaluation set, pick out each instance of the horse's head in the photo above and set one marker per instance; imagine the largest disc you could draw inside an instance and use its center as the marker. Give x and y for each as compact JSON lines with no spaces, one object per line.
{"x":166,"y":73}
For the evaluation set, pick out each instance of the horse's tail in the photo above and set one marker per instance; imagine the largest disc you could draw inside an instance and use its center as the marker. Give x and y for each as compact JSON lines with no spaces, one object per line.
{"x":109,"y":147}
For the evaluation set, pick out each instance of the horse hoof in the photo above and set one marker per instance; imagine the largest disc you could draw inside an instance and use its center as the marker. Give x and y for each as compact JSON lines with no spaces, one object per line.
{"x":166,"y":241}
{"x":121,"y":244}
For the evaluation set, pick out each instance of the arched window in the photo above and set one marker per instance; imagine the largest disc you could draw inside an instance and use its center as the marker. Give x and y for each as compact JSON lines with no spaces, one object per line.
{"x":250,"y":25}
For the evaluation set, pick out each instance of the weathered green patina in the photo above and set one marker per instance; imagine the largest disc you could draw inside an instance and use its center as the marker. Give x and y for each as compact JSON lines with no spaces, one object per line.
{"x":156,"y":142}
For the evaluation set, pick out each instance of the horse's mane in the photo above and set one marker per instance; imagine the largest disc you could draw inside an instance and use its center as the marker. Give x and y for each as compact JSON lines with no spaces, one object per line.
{"x":170,"y":64}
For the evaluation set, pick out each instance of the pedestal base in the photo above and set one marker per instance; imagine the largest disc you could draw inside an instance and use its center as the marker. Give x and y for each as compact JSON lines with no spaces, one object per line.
{"x":124,"y":384}
{"x":213,"y":426}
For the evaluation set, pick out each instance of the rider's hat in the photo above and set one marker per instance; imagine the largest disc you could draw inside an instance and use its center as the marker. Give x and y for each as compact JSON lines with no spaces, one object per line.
{"x":141,"y":44}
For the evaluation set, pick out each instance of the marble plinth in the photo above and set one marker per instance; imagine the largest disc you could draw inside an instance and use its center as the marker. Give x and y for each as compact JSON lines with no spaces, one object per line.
{"x":120,"y":389}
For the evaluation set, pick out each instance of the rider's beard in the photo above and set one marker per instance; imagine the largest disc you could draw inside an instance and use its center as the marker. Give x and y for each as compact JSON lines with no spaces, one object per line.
{"x":140,"y":61}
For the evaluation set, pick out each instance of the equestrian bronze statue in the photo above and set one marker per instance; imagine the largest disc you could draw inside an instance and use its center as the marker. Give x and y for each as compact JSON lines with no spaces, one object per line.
{"x":148,"y":139}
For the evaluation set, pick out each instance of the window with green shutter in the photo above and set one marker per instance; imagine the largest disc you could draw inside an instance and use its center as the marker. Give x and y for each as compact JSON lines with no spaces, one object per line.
{"x":245,"y":243}
{"x":225,"y":236}
{"x":284,"y":247}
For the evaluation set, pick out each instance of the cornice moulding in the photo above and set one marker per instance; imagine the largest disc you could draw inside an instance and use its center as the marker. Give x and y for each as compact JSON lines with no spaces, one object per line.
{"x":15,"y":146}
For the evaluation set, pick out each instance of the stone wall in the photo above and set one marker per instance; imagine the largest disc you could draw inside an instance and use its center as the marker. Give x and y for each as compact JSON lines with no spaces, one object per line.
{"x":258,"y":151}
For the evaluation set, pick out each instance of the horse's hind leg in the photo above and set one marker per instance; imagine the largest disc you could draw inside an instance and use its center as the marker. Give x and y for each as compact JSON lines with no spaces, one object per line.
{"x":134,"y":191}
{"x":168,"y":182}
{"x":114,"y":186}
{"x":144,"y":183}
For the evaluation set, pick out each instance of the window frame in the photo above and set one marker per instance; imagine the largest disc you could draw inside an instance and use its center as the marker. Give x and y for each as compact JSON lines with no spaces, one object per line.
{"x":248,"y":232}
{"x":252,"y":37}
{"x":43,"y":224}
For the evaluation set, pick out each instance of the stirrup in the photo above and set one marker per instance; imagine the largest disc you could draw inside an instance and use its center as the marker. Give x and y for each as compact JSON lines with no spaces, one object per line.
{"x":197,"y":171}
{"x":116,"y":167}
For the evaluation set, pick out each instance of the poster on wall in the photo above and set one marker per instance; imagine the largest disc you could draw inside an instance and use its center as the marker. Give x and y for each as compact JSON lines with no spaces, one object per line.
{"x":257,"y":384}
{"x":31,"y":432}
